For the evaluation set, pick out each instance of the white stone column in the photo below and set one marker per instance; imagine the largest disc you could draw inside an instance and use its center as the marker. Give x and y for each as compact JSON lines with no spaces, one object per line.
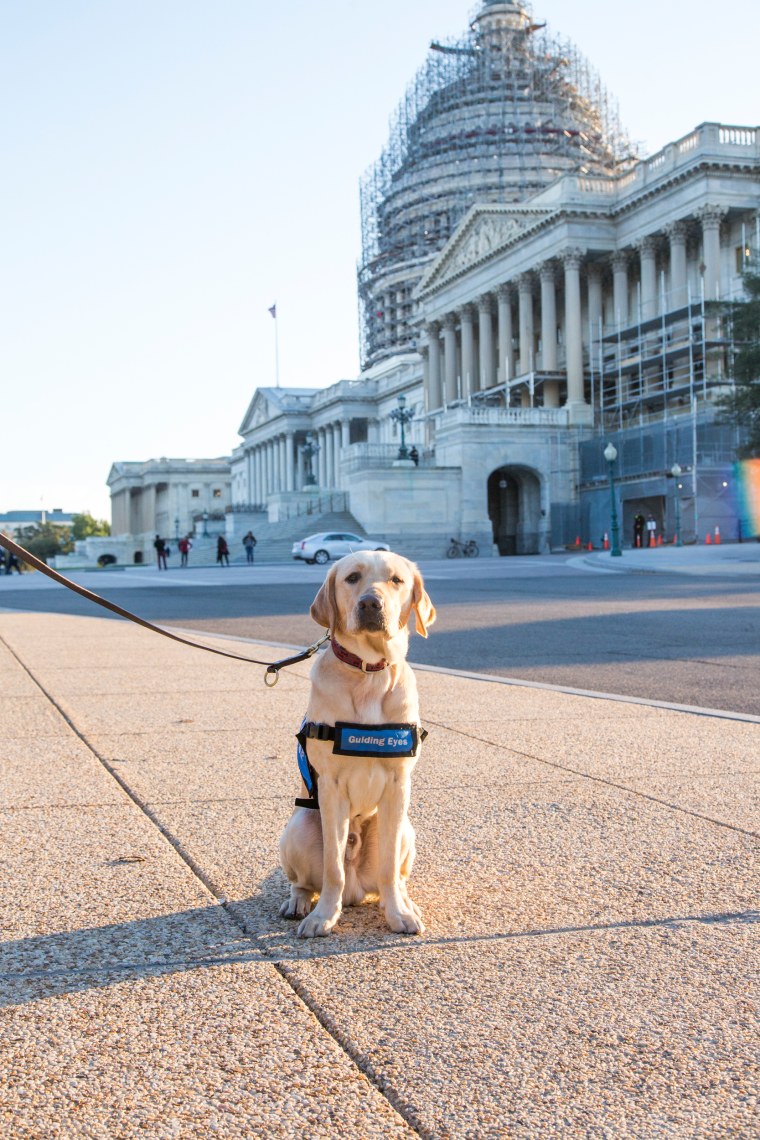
{"x":620,"y":288}
{"x":485,"y":341}
{"x":322,"y":458}
{"x":648,"y":256}
{"x":506,"y":347}
{"x":434,"y":366}
{"x":548,"y":317}
{"x":573,"y":259}
{"x":677,"y":234}
{"x":595,"y":298}
{"x":345,"y":433}
{"x":469,"y":373}
{"x":525,"y":306}
{"x":256,"y":480}
{"x":450,"y":356}
{"x":710,"y":217}
{"x":549,"y":332}
{"x":290,"y":471}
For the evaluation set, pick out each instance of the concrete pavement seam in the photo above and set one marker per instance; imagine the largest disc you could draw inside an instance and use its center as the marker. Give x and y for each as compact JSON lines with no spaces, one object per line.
{"x":596,"y":779}
{"x":354,"y":1055}
{"x":400,"y":1105}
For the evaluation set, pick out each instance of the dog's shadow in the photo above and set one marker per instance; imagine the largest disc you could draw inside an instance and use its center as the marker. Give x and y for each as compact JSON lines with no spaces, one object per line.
{"x":359,"y":929}
{"x":225,"y":932}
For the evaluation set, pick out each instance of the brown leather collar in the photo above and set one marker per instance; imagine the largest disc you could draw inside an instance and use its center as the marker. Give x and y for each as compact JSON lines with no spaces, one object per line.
{"x":351,"y":659}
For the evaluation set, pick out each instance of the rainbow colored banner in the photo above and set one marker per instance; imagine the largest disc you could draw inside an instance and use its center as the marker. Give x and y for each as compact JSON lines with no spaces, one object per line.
{"x":747,"y":483}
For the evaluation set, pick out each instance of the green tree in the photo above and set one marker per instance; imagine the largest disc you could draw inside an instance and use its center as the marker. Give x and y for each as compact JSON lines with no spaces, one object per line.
{"x":742,"y":406}
{"x":85,"y":525}
{"x":46,"y":540}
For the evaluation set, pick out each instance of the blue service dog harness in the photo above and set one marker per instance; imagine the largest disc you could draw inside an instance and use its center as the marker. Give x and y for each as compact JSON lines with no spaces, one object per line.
{"x":358,"y":740}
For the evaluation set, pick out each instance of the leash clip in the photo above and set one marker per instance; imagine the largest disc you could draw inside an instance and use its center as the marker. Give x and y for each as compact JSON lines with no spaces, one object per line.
{"x":273,"y":672}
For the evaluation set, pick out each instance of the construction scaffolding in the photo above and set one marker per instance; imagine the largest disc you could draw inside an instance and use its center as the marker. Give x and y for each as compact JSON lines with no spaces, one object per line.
{"x":492,"y":117}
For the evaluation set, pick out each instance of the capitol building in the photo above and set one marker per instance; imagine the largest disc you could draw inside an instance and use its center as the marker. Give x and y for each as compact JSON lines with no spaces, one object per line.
{"x":531,"y":289}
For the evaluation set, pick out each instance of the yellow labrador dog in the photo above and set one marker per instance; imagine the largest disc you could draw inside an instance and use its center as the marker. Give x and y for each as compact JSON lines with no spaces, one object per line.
{"x":350,"y":835}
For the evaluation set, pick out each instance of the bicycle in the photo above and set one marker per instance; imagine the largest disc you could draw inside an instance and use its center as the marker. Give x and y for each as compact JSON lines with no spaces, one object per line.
{"x":459,"y":549}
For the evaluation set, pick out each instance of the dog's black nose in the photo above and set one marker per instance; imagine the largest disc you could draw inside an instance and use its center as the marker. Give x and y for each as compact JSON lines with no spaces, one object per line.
{"x":370,"y":603}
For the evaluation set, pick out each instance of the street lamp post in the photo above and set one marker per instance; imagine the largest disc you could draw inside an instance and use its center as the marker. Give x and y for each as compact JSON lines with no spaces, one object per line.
{"x":205,"y":524}
{"x":176,"y":528}
{"x":309,"y":449}
{"x":402,"y":416}
{"x":675,"y":471}
{"x":610,"y":454}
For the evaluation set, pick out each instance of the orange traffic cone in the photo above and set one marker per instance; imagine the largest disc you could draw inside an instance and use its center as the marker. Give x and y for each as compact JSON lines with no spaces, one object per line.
{"x":717,"y":536}
{"x":606,"y":542}
{"x":577,"y":540}
{"x":590,"y":545}
{"x":659,"y":540}
{"x":651,"y":538}
{"x":708,"y":540}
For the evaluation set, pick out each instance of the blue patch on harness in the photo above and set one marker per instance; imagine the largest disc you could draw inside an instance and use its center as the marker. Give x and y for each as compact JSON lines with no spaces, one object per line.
{"x":375,"y":740}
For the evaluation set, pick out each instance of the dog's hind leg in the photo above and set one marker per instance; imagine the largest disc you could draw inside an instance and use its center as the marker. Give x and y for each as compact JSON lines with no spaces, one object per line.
{"x":301,"y":860}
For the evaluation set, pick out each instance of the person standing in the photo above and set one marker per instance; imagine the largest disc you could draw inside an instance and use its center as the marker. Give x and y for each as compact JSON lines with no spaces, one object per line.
{"x":638,"y":530}
{"x":185,"y":546}
{"x":222,"y":551}
{"x":160,"y":546}
{"x":249,"y":542}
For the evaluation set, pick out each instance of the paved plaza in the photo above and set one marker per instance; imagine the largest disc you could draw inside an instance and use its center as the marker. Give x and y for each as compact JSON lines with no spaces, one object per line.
{"x":587,"y":870}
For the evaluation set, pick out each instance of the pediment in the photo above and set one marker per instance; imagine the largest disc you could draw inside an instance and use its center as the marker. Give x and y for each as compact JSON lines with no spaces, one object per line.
{"x":258,"y":413}
{"x":484,"y":232}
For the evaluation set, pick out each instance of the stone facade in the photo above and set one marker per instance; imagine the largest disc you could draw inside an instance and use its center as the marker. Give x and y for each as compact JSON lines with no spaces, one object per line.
{"x":170,"y":497}
{"x":590,"y":310}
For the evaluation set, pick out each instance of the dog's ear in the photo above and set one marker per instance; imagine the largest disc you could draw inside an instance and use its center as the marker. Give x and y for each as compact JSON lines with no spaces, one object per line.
{"x":424,"y":610}
{"x":324,"y":608}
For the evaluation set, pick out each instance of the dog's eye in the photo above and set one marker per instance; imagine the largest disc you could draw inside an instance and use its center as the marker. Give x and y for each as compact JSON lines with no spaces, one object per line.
{"x":397,"y":581}
{"x":352,"y":579}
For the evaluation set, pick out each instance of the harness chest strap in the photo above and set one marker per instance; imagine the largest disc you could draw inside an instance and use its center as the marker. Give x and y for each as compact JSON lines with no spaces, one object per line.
{"x":357,"y":740}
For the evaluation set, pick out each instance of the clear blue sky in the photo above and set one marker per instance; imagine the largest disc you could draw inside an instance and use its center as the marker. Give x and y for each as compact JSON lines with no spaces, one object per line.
{"x":174,"y":167}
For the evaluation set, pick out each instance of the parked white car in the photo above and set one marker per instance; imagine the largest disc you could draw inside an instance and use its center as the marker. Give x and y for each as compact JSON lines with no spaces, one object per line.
{"x":333,"y":544}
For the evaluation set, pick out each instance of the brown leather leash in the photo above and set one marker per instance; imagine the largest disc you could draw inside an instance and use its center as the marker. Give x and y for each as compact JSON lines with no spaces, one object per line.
{"x":272,"y":668}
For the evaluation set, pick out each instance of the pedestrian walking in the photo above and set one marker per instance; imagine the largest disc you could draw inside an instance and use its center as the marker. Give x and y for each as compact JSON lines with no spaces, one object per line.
{"x":11,"y":563}
{"x":160,"y":546}
{"x":414,"y":455}
{"x":249,"y":542}
{"x":222,"y":551}
{"x":185,"y":546}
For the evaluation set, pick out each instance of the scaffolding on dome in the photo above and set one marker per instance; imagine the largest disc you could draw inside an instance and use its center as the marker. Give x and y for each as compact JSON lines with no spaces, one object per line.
{"x":492,"y":117}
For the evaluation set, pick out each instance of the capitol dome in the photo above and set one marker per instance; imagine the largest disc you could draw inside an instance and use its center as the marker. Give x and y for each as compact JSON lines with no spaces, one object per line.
{"x":492,"y":117}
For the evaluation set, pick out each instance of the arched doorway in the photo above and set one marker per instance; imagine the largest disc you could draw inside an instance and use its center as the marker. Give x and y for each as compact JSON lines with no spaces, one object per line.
{"x":514,"y":507}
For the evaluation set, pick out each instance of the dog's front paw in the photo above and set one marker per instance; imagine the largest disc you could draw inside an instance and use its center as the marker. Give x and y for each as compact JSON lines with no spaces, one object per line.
{"x":298,"y":904}
{"x":316,"y":925}
{"x":404,"y":921}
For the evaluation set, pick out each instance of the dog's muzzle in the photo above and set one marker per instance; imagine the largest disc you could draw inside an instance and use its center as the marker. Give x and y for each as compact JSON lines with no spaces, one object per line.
{"x":370,"y":613}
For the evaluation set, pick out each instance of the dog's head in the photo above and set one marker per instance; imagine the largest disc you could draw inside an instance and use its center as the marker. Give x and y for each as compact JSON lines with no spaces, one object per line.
{"x":373,"y":592}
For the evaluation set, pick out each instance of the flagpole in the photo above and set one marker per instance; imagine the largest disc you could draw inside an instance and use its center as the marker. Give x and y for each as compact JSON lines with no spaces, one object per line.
{"x":273,"y":314}
{"x":276,"y":353}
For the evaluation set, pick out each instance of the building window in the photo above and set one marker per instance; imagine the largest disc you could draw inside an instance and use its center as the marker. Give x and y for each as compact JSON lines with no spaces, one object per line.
{"x":195,"y":493}
{"x":217,"y":492}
